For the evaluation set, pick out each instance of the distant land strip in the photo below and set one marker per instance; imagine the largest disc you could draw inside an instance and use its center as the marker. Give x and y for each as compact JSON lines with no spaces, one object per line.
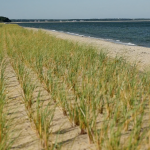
{"x":75,"y":20}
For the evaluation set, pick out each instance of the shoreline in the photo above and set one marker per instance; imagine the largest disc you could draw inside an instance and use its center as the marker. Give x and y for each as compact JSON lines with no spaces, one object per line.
{"x":107,"y":40}
{"x":134,"y":54}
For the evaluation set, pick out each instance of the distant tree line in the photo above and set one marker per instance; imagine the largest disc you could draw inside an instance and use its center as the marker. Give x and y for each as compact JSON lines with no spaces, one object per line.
{"x":4,"y":19}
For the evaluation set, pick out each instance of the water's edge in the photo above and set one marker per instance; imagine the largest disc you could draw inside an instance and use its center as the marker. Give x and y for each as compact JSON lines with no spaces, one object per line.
{"x":124,"y":33}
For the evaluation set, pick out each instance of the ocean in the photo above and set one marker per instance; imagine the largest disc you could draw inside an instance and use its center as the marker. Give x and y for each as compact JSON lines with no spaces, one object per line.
{"x":127,"y":33}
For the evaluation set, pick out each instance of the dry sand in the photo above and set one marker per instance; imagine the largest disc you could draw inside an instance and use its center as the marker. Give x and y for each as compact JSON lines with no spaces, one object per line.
{"x":135,"y":54}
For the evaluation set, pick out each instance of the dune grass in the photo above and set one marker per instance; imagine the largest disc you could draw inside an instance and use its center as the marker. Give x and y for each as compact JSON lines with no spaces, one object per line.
{"x":4,"y":123}
{"x":1,"y":25}
{"x":107,"y":97}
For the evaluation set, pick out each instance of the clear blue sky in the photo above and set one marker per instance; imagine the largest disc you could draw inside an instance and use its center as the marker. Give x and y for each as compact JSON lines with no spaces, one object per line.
{"x":79,"y":9}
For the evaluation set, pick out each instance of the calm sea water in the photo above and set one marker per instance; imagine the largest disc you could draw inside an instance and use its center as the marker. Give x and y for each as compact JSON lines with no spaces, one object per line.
{"x":129,"y":33}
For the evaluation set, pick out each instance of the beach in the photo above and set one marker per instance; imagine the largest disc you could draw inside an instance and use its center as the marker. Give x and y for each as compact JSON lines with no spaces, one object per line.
{"x":135,"y":54}
{"x":70,"y":95}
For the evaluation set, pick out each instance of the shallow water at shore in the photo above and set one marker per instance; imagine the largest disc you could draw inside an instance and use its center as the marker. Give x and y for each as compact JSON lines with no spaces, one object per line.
{"x":126,"y":33}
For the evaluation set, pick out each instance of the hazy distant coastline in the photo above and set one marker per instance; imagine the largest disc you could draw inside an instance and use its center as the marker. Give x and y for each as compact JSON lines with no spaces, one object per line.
{"x":74,"y":20}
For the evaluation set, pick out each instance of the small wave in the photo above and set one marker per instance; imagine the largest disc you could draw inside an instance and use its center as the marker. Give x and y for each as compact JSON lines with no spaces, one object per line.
{"x":74,"y":34}
{"x":130,"y":44}
{"x":71,"y":33}
{"x":119,"y":42}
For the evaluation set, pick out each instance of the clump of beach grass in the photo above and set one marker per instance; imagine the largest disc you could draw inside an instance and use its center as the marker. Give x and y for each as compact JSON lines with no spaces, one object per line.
{"x":4,"y":126}
{"x":5,"y":142}
{"x":3,"y":135}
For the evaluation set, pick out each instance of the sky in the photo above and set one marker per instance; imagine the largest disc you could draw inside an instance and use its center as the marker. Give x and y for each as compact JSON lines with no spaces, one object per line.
{"x":74,"y":9}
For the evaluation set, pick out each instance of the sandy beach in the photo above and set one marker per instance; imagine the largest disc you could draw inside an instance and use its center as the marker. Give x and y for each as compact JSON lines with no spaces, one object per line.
{"x":81,"y":101}
{"x":134,"y":54}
